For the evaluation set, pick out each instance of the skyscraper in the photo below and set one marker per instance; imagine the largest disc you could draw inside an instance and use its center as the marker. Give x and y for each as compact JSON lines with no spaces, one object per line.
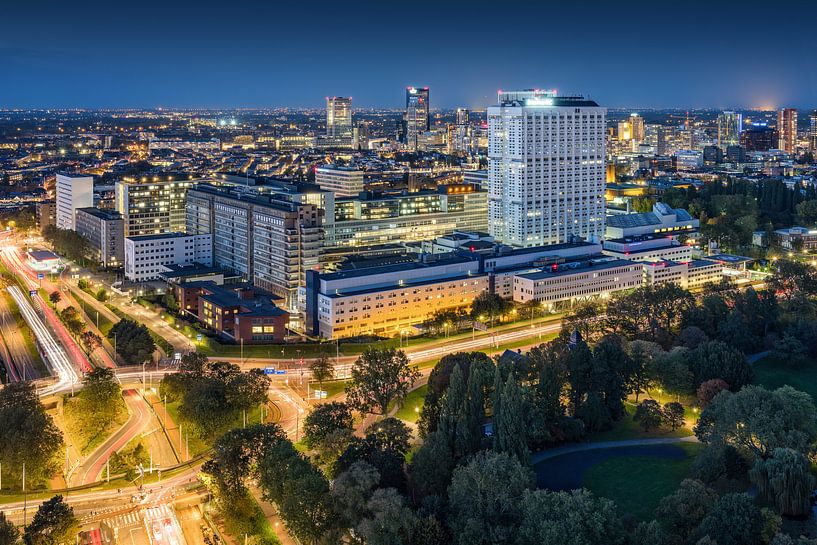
{"x":463,"y":116}
{"x":730,"y":125}
{"x":545,"y":168}
{"x":812,"y":130}
{"x":787,"y":129}
{"x":73,"y":191}
{"x":416,"y":118}
{"x":339,"y":116}
{"x":637,"y":128}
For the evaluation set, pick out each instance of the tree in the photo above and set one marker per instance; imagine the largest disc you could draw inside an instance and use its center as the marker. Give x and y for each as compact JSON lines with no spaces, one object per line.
{"x":91,"y":340}
{"x":807,"y":212}
{"x":489,"y":306}
{"x":321,"y":369}
{"x":791,"y":278}
{"x":54,"y":297}
{"x":27,"y":435}
{"x":431,"y":467}
{"x":757,"y":421}
{"x":785,"y":480}
{"x":102,"y":395}
{"x":510,"y":431}
{"x":72,"y":320}
{"x":169,"y":302}
{"x":681,"y":513}
{"x":53,"y":524}
{"x":133,"y":341}
{"x":378,"y":377}
{"x":709,"y":389}
{"x":715,"y":359}
{"x":649,"y":414}
{"x":351,"y":491}
{"x":328,"y":429}
{"x":674,"y":415}
{"x":484,"y":499}
{"x":82,"y":284}
{"x":9,"y":534}
{"x":390,"y":434}
{"x":791,"y":350}
{"x":389,"y":522}
{"x":736,"y":520}
{"x":102,"y":295}
{"x":568,"y":518}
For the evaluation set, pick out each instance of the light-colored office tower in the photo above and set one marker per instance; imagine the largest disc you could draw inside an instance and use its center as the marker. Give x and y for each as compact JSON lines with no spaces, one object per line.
{"x":342,"y":181}
{"x":72,"y":192}
{"x":546,"y":175}
{"x":151,"y":206}
{"x":637,"y":128}
{"x":104,"y":231}
{"x":339,"y":116}
{"x":417,"y":119}
{"x":730,"y":125}
{"x":787,"y":129}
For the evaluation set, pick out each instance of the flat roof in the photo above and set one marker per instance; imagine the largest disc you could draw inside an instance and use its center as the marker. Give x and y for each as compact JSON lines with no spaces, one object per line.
{"x":101,"y":213}
{"x":407,"y":285}
{"x":451,"y":259}
{"x":158,"y":236}
{"x":542,"y":274}
{"x":728,"y":258}
{"x":197,"y":269}
{"x":42,"y":255}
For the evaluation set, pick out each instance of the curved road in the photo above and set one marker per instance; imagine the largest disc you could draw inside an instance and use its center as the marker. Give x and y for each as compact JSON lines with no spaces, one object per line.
{"x":90,"y":470}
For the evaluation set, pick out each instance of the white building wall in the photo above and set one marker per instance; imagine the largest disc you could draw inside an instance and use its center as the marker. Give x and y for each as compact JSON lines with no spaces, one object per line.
{"x":146,"y":257}
{"x":72,"y":192}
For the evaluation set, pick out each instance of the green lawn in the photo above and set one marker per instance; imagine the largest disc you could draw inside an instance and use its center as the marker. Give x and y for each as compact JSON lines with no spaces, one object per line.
{"x":773,"y":373}
{"x":85,"y":436}
{"x":627,"y":428}
{"x":637,"y":483}
{"x":331,"y":387}
{"x":105,"y":324}
{"x":414,"y":400}
{"x":198,"y":445}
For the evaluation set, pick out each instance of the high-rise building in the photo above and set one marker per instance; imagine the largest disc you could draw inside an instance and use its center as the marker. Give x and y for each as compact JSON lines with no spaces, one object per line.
{"x":417,"y":119}
{"x":787,"y":129}
{"x":637,"y":128}
{"x":342,"y":181}
{"x":72,"y":192}
{"x":152,"y":206}
{"x":269,"y":241}
{"x":463,"y":116}
{"x":758,"y":137}
{"x":339,"y":116}
{"x":730,"y":125}
{"x":546,"y":176}
{"x":104,"y":231}
{"x":812,"y":131}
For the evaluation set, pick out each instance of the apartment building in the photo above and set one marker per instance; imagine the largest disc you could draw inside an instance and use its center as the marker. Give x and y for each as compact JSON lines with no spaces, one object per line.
{"x":151,"y":206}
{"x":105,"y":232}
{"x":72,"y":192}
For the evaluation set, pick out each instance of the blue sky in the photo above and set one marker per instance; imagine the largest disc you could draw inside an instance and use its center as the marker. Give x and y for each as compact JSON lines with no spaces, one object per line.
{"x":265,"y":54}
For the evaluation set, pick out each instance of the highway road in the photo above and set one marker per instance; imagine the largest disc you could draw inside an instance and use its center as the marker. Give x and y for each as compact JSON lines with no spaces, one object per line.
{"x":90,"y":470}
{"x":18,"y":361}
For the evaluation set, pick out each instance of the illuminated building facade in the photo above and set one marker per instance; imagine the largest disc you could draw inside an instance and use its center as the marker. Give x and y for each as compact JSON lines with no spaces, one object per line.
{"x":730,"y":125}
{"x":417,"y":119}
{"x":153,"y":206}
{"x":339,"y":116}
{"x":787,"y":129}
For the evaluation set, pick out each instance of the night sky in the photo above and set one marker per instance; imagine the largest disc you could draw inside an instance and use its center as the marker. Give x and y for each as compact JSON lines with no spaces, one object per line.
{"x":238,"y":53}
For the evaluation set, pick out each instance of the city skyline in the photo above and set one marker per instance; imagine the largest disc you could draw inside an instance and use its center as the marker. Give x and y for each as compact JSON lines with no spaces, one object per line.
{"x":185,"y":56}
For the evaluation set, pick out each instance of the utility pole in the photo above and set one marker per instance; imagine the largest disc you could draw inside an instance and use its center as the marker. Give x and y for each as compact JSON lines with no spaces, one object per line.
{"x":107,"y":471}
{"x":25,"y":498}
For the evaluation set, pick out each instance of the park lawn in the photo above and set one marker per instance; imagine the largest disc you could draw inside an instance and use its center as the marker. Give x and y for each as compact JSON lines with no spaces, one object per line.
{"x":198,"y":445}
{"x":331,"y":387}
{"x":637,"y":483}
{"x":627,"y":428}
{"x":105,"y":324}
{"x":413,"y":400}
{"x":772,"y":373}
{"x":84,"y":436}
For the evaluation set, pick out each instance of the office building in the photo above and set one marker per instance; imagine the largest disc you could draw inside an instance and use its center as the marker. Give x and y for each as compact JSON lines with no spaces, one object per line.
{"x":759,"y":137}
{"x":787,"y":129}
{"x":416,"y":118}
{"x":146,"y":256}
{"x":577,"y":281}
{"x":812,"y":130}
{"x":266,"y":239}
{"x":546,"y":161}
{"x":152,"y":206}
{"x":689,"y":275}
{"x":730,"y":125}
{"x":105,"y":232}
{"x":662,"y":220}
{"x":72,"y":192}
{"x":339,"y":117}
{"x":800,"y":239}
{"x":463,"y":116}
{"x":375,"y":219}
{"x":647,"y":248}
{"x":689,"y":159}
{"x":342,"y":181}
{"x":637,"y":131}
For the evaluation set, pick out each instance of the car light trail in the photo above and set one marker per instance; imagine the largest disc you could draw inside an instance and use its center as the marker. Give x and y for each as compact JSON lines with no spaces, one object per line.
{"x":55,"y":355}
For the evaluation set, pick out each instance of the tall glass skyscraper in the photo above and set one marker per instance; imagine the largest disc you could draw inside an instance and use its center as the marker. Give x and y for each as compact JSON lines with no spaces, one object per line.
{"x":416,"y":119}
{"x":730,"y":125}
{"x":339,"y":116}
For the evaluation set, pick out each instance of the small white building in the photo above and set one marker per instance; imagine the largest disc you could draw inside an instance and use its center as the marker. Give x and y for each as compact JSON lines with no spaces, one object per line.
{"x":342,"y":181}
{"x":689,"y":275}
{"x":72,"y":192}
{"x":147,"y":256}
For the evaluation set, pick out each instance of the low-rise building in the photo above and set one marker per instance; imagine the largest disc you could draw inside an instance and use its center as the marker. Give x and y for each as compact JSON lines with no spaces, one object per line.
{"x":105,"y":232}
{"x":662,"y":220}
{"x":147,"y":256}
{"x":797,"y":238}
{"x":647,"y":248}
{"x":342,"y":181}
{"x":689,"y":275}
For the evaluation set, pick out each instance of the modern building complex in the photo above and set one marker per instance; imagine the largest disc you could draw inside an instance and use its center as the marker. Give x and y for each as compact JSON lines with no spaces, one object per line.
{"x":688,"y":274}
{"x":105,"y":232}
{"x":416,"y":118}
{"x":798,"y":239}
{"x":787,"y":129}
{"x":546,"y":168}
{"x":146,"y":256}
{"x":577,"y":280}
{"x":153,"y":206}
{"x":647,"y":248}
{"x":339,"y":117}
{"x":730,"y":125}
{"x":372,"y":219}
{"x":72,"y":192}
{"x":662,"y":220}
{"x":342,"y":181}
{"x":265,"y":239}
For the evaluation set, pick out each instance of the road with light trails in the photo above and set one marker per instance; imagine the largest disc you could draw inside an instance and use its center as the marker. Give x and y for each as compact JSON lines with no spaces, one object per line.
{"x":90,"y":470}
{"x":55,"y":355}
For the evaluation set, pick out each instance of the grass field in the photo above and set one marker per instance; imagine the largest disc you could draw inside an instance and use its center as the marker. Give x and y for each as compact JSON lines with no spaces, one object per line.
{"x":414,"y":400}
{"x":772,"y":373}
{"x":627,"y":428}
{"x":637,"y":483}
{"x":87,"y":437}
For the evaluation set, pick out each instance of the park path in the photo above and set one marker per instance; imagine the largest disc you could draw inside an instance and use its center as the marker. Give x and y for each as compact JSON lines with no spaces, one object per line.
{"x":537,"y":457}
